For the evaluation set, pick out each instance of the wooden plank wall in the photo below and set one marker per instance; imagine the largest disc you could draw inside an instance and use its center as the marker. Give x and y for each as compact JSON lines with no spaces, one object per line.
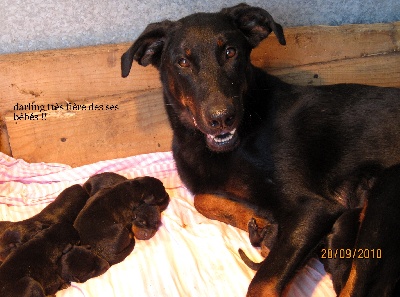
{"x":130,"y":118}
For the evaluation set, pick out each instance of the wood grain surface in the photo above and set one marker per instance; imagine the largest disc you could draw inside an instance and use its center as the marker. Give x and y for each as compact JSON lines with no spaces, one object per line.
{"x":65,"y":86}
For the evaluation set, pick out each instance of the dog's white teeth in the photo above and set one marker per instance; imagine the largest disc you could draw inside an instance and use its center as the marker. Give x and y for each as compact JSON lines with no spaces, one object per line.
{"x":224,"y":137}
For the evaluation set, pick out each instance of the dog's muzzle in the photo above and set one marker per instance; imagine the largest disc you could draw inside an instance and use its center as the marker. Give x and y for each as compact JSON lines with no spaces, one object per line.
{"x":219,"y":125}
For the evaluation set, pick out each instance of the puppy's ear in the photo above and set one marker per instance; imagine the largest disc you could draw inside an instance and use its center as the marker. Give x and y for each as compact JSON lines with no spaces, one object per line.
{"x":255,"y":23}
{"x":147,"y":48}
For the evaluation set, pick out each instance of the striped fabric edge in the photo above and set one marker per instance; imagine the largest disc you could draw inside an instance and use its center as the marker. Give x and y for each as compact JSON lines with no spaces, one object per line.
{"x":23,"y":183}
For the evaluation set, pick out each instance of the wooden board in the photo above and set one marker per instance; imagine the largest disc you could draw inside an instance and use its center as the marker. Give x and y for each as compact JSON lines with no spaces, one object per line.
{"x":103,"y":128}
{"x":313,"y":55}
{"x":81,"y":76}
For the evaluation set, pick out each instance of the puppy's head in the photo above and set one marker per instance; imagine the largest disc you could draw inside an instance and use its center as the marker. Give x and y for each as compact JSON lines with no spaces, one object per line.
{"x":146,"y":221}
{"x":204,"y":61}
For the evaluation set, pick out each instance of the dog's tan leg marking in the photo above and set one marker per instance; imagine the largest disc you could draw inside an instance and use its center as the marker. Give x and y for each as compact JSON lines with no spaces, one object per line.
{"x":351,"y":280}
{"x":363,"y":211}
{"x":349,"y":287}
{"x":263,"y":289}
{"x":231,"y":212}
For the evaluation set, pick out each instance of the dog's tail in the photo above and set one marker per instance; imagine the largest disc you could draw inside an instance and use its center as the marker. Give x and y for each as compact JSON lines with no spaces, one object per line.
{"x":253,"y":265}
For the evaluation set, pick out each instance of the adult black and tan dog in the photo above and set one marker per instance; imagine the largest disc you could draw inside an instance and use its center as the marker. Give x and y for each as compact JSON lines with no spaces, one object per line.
{"x":245,"y":137}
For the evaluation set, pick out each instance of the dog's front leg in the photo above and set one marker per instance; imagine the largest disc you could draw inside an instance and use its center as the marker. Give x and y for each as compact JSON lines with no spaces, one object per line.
{"x":299,"y":233}
{"x":233,"y":212}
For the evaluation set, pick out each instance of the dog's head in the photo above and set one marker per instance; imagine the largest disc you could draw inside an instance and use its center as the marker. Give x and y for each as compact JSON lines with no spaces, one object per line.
{"x":204,"y":62}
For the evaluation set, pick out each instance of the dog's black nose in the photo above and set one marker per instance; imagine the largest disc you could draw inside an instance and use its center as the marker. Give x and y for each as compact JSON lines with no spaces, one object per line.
{"x":221,"y":117}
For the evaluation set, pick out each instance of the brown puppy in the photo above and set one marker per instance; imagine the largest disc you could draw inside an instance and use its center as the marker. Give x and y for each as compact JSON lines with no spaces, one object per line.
{"x":47,"y":263}
{"x":146,"y":218}
{"x":106,"y":220}
{"x":64,"y":208}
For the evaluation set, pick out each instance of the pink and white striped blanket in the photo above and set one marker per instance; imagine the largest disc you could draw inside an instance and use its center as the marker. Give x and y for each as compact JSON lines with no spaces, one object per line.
{"x":190,"y":255}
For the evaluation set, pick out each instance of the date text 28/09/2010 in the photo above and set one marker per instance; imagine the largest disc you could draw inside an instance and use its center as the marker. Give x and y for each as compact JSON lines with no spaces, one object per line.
{"x":351,"y":253}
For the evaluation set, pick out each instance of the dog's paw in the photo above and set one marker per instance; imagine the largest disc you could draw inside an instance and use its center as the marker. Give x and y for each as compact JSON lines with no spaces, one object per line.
{"x":254,"y":233}
{"x":252,"y":225}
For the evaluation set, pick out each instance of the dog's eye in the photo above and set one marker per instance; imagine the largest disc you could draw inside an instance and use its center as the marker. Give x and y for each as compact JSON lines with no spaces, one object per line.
{"x":230,"y":52}
{"x":183,"y":62}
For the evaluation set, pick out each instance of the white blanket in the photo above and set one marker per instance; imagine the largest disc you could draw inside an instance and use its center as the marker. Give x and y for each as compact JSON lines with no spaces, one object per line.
{"x":190,"y":255}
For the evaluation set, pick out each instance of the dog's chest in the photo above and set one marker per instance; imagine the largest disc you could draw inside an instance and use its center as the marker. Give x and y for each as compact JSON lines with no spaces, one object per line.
{"x":234,"y":174}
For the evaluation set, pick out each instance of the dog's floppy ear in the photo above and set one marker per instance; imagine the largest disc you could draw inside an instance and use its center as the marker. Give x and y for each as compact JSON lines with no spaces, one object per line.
{"x":147,"y":48}
{"x":256,"y":23}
